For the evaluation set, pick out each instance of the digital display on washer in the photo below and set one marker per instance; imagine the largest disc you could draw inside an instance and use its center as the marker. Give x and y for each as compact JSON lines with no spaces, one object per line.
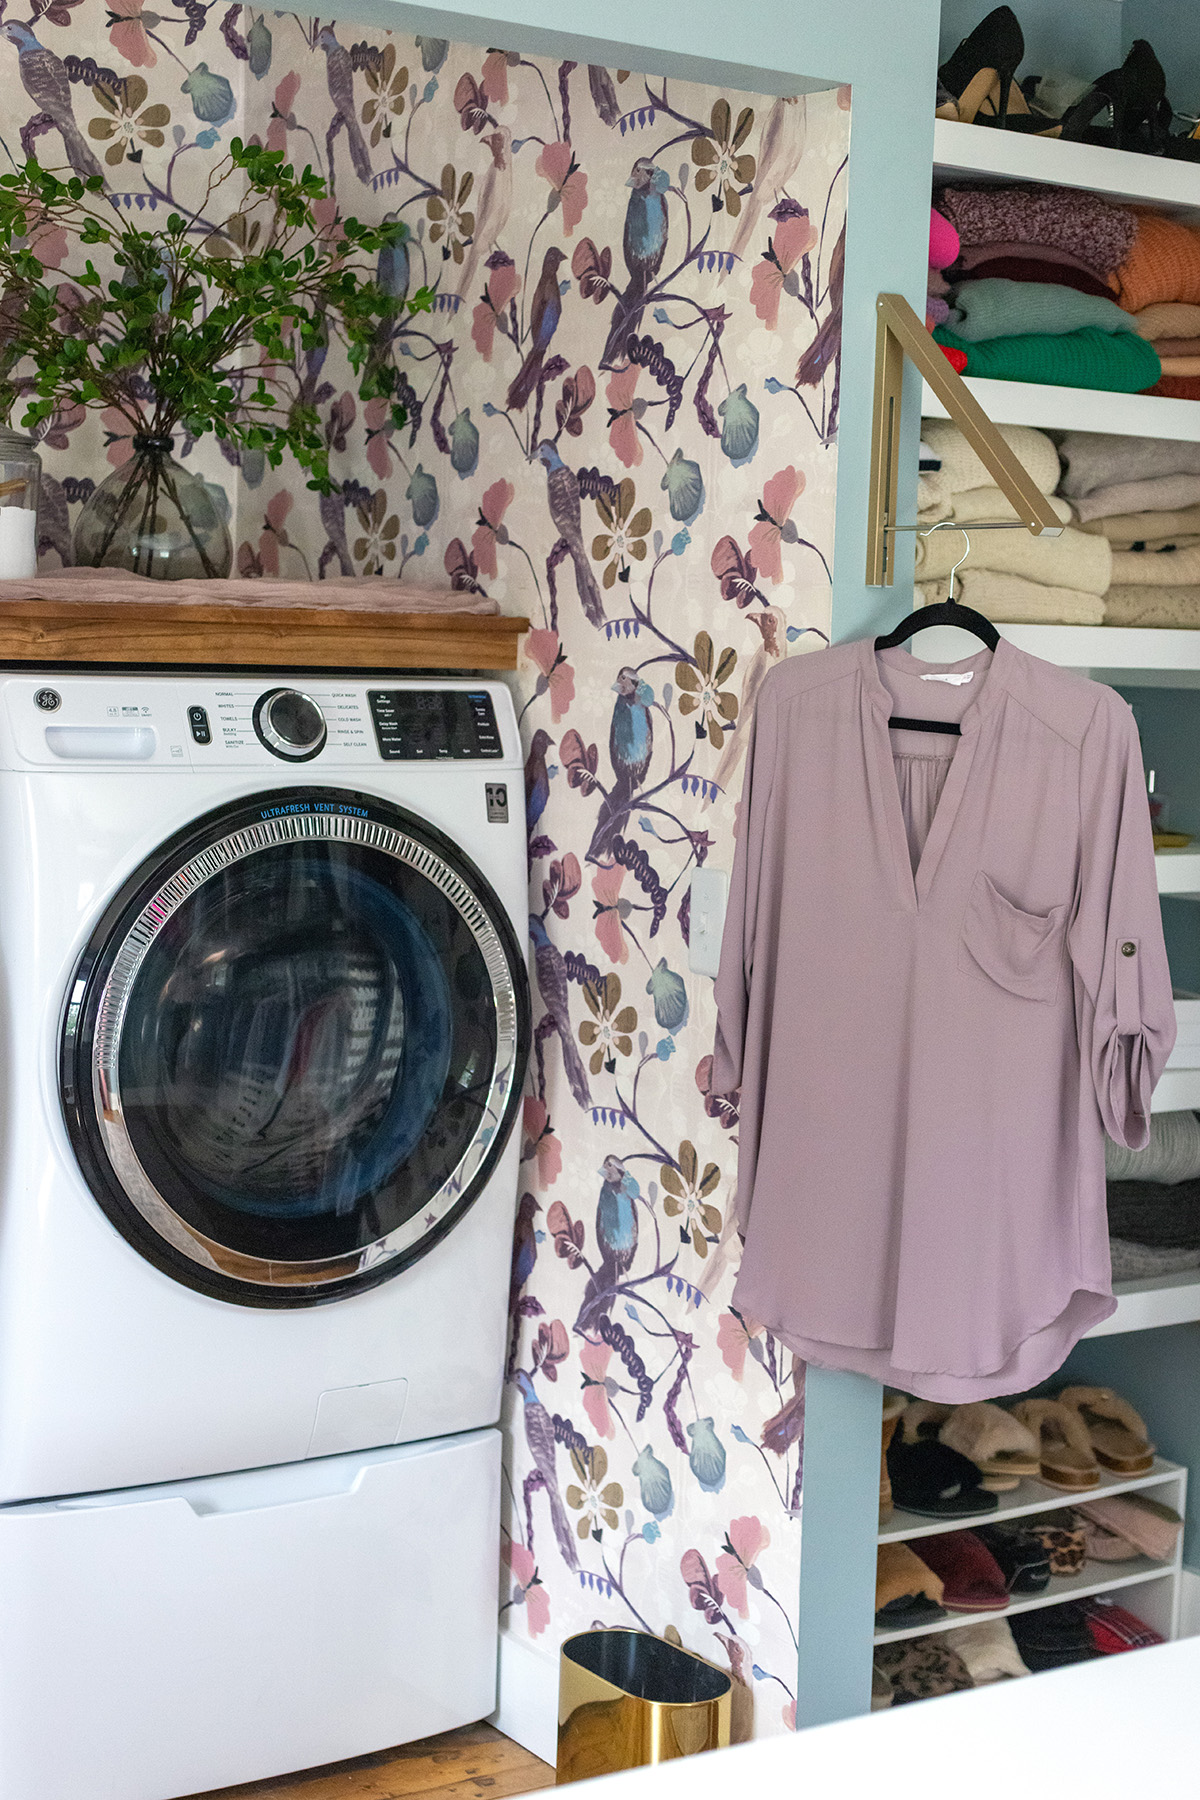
{"x":433,"y":725}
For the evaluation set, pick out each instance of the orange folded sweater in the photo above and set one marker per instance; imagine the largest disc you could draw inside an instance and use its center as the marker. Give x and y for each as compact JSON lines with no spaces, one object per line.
{"x":1164,"y":264}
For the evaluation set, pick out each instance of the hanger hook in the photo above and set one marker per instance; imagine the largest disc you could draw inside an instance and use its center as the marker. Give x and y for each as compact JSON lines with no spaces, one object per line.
{"x":950,"y":600}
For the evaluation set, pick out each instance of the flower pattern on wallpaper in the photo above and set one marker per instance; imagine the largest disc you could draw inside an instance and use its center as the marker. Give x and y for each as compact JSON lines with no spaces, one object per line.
{"x":622,"y":418}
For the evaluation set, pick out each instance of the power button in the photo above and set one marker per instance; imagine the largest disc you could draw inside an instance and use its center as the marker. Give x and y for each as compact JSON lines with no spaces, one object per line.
{"x":198,"y":720}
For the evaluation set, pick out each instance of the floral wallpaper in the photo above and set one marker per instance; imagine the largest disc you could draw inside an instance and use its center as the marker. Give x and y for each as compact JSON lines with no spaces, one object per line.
{"x":623,"y":416}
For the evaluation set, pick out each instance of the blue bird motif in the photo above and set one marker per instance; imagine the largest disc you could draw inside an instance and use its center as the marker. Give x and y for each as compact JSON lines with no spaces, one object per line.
{"x":617,"y":1219}
{"x":44,"y":78}
{"x":545,"y":311}
{"x":537,"y":779}
{"x":552,"y":985}
{"x":539,"y":1436}
{"x":617,"y":1238}
{"x":631,"y":734}
{"x":644,"y":245}
{"x":562,"y":495}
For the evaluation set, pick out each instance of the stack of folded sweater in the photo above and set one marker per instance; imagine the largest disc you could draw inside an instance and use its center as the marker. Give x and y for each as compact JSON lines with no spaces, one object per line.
{"x":1061,"y":286}
{"x":1173,"y":327}
{"x":1142,"y":495}
{"x":1154,"y":1200}
{"x":1010,"y":576}
{"x":1037,"y":291}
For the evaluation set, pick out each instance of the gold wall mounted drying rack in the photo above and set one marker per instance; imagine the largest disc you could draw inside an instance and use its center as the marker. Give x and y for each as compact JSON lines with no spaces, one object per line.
{"x":901,"y":333}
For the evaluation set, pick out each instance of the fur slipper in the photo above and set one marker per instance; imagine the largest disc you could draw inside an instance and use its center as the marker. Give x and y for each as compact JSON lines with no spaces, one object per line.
{"x":1023,"y":1558}
{"x":1149,"y":1526}
{"x":918,"y":1669}
{"x":1065,"y":1544}
{"x":923,"y":1419}
{"x":1053,"y":1637}
{"x":907,"y":1592}
{"x":1114,"y":1628}
{"x":1103,"y":1545}
{"x":1117,"y":1433}
{"x":882,"y":1692}
{"x":999,"y":1445}
{"x":972,"y":1578}
{"x":938,"y":1483}
{"x":1067,"y":1459}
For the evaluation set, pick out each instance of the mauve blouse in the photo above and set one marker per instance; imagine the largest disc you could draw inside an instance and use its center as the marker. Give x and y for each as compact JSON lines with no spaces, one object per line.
{"x":934,"y":1009}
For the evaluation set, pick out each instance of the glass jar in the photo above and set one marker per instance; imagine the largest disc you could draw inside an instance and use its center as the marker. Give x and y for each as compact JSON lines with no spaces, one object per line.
{"x":153,"y":517}
{"x":20,"y":475}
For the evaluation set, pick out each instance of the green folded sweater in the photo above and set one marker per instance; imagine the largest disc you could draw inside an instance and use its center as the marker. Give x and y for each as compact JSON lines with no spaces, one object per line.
{"x":994,"y":308}
{"x":1119,"y":362}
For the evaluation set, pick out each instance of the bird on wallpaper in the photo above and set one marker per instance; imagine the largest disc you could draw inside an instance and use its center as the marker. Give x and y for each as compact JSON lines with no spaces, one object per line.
{"x":779,"y":155}
{"x":537,"y":778}
{"x":552,"y":985}
{"x":631,"y":734}
{"x":644,"y":245}
{"x":545,"y":311}
{"x":562,"y":493}
{"x":492,"y":210}
{"x":539,"y":1436}
{"x":524,"y":1255}
{"x":44,"y":78}
{"x":339,"y":76}
{"x":617,"y":1237}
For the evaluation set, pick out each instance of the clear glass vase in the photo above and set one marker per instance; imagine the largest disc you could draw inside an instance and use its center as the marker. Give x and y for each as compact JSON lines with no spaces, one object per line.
{"x":20,"y":475}
{"x":152,"y":517}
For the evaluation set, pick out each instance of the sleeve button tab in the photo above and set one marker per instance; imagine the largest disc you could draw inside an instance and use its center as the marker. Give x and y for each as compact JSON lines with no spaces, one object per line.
{"x":1128,"y":949}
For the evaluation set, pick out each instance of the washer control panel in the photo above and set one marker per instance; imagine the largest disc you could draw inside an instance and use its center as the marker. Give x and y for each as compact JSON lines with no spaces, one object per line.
{"x":434,"y":724}
{"x":240,"y":720}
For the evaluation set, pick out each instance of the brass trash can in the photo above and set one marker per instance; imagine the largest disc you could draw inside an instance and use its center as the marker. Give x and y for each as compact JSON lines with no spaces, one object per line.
{"x":626,"y":1698}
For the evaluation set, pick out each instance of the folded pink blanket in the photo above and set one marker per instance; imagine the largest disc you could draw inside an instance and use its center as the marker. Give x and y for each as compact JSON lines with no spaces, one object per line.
{"x":342,"y":594}
{"x":1070,"y":219}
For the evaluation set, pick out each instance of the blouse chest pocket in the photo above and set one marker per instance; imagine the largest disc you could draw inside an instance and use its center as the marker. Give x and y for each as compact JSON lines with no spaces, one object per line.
{"x":1021,"y":951}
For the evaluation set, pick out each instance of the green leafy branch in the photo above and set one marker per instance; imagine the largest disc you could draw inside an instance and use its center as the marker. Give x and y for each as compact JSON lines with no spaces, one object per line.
{"x":203,"y":329}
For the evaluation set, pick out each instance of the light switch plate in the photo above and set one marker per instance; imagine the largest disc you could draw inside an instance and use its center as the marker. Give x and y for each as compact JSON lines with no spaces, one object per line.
{"x":709,"y":898}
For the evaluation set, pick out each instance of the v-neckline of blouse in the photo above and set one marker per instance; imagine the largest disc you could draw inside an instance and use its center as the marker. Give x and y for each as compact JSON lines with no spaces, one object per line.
{"x":914,"y":885}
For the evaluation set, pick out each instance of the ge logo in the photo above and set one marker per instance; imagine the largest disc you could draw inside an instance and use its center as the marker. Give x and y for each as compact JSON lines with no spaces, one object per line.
{"x":47,"y":700}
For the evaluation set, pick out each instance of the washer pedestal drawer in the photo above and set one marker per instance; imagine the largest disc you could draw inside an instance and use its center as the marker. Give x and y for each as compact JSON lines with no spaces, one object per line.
{"x":160,"y":1641}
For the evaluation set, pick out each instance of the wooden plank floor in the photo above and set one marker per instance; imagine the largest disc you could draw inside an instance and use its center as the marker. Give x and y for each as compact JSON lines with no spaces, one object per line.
{"x":475,"y":1763}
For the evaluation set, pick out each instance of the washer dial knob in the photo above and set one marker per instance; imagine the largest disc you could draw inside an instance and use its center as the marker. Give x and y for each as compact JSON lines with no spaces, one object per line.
{"x":289,"y":724}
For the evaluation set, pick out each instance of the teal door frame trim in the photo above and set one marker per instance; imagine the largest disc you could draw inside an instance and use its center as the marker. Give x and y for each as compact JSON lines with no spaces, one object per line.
{"x":886,"y":50}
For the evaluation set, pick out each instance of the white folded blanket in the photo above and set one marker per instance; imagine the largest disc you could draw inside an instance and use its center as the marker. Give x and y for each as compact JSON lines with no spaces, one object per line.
{"x":991,"y":503}
{"x":1009,"y":600}
{"x":1141,"y":527}
{"x":1169,"y":568}
{"x":1075,"y":560}
{"x":961,"y":469}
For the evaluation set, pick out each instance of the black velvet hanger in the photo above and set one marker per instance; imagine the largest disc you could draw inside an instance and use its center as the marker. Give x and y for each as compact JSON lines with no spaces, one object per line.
{"x":947,"y":612}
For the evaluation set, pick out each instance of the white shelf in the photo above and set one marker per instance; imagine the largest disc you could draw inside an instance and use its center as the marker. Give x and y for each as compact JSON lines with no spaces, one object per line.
{"x":1031,"y":1497}
{"x":1077,"y":409}
{"x":1178,"y":1090}
{"x":1062,"y":1587}
{"x":1121,"y":655}
{"x":979,"y":152}
{"x":1165,"y":1300}
{"x":1178,"y":872}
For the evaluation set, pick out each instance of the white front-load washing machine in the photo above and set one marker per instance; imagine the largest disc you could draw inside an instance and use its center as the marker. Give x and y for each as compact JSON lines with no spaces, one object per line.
{"x":263,"y":1025}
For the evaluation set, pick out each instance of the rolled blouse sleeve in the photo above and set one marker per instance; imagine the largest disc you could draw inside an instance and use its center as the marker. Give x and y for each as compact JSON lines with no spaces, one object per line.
{"x":1124,"y":1007}
{"x":732,"y":990}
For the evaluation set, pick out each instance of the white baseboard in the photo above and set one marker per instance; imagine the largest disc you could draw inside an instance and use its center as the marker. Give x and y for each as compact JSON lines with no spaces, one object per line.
{"x":527,"y":1710}
{"x":1189,"y":1604}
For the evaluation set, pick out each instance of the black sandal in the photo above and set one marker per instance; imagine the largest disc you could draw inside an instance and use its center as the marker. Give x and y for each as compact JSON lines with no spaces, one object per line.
{"x":981,"y":77}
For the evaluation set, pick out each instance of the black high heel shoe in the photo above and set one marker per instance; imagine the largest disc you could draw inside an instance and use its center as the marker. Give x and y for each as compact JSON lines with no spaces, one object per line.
{"x":981,"y":77}
{"x":1136,"y":95}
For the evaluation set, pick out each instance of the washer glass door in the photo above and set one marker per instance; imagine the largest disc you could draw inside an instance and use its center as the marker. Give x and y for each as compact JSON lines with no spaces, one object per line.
{"x":293,"y":1057}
